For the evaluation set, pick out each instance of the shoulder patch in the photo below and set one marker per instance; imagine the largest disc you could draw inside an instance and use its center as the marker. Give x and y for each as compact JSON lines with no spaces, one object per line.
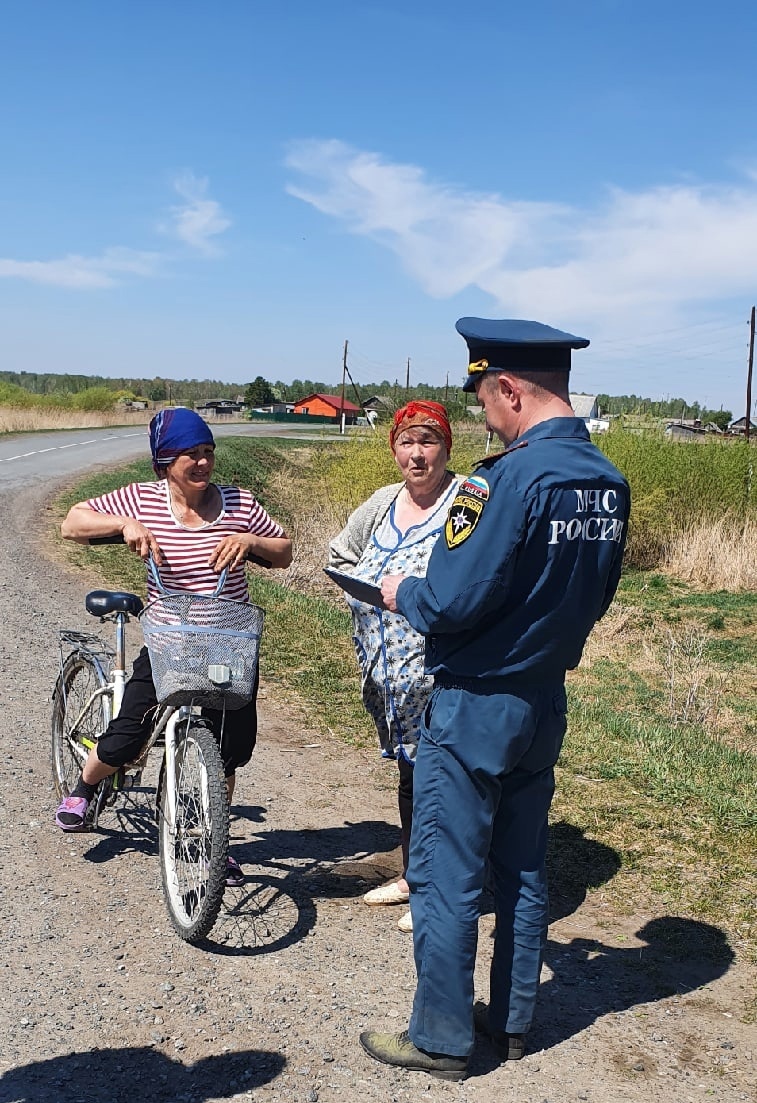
{"x":477,"y":487}
{"x":465,"y":513}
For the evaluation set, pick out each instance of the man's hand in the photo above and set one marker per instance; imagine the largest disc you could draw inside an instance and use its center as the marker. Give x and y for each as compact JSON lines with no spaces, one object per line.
{"x":141,"y":541}
{"x":389,"y":586}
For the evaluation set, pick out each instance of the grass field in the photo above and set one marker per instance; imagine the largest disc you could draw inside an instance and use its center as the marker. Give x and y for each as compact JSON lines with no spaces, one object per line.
{"x":659,"y":764}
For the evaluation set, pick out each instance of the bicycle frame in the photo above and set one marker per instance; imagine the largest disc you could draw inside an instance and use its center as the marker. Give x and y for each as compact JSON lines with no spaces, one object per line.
{"x":115,"y":678}
{"x":192,"y":811}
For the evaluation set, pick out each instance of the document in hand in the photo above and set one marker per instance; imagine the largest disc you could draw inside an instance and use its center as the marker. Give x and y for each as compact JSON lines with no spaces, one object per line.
{"x":357,"y":587}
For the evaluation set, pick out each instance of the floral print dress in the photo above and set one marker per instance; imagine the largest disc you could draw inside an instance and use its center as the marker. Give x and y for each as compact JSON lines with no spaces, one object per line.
{"x":391,"y":653}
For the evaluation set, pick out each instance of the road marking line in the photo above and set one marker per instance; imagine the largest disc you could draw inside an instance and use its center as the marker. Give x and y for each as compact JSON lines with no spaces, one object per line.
{"x":76,"y":444}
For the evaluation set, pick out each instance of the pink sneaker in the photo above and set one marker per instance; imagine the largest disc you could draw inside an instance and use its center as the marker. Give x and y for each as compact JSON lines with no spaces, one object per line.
{"x":71,"y":813}
{"x":234,"y":873}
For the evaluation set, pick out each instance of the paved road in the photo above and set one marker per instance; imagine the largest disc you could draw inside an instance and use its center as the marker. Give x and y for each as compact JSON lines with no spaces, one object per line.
{"x":31,"y":457}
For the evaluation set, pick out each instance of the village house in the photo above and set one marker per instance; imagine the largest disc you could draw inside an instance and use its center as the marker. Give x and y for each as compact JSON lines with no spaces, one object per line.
{"x":380,"y":405}
{"x":327,"y":405}
{"x":220,"y":407}
{"x":739,"y":426}
{"x":585,"y":406}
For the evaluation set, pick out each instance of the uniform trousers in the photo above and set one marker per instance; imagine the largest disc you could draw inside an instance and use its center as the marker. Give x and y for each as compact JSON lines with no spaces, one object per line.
{"x":484,"y":782}
{"x":123,"y":739}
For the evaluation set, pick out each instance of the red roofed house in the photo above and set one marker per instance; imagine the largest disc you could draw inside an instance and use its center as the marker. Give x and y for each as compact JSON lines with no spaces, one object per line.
{"x":326,"y":405}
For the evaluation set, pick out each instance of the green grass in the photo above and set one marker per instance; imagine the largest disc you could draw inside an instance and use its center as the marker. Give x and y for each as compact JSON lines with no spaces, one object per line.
{"x":675,"y":484}
{"x":673,"y":803}
{"x":307,"y":650}
{"x":677,"y":765}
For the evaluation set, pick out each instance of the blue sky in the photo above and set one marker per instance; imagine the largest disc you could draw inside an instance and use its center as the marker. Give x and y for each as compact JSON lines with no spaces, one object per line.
{"x":226,"y":190}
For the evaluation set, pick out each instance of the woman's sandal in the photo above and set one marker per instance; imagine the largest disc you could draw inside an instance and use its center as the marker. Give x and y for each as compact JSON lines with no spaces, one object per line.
{"x":386,"y":894}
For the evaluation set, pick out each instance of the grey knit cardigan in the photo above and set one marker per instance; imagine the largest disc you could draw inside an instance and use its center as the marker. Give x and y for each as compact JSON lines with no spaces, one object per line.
{"x":346,"y":548}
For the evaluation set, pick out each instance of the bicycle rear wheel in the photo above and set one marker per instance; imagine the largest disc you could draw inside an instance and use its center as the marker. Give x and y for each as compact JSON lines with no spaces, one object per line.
{"x":80,"y":715}
{"x":193,"y":854}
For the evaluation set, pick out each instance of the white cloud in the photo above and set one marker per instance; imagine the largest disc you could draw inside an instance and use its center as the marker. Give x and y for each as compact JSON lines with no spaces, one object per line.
{"x":82,"y":272}
{"x":657,"y":251}
{"x":199,"y":219}
{"x":194,"y":223}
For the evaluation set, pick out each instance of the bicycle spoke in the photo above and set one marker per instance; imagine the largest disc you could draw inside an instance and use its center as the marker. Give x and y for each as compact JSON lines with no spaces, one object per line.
{"x":193,"y":849}
{"x":80,"y":715}
{"x":194,"y":826}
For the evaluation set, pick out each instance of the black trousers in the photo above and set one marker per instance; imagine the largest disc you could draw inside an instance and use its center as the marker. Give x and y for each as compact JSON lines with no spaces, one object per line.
{"x":405,"y":803}
{"x":125,"y":736}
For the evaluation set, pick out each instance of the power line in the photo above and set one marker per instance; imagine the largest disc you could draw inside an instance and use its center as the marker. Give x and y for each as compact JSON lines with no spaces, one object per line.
{"x":653,"y":338}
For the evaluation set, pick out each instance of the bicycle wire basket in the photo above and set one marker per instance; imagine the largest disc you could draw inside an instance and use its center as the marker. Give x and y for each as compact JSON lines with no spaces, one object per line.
{"x":203,"y":649}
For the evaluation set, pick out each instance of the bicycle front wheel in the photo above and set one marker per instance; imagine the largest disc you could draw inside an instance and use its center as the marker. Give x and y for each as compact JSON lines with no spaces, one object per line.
{"x":193,"y":849}
{"x":81,"y":713}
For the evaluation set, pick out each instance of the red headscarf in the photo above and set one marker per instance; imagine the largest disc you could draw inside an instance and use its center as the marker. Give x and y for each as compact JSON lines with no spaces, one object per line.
{"x":422,"y":412}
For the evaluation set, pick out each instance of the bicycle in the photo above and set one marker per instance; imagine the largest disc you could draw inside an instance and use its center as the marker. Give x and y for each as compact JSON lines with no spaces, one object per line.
{"x":196,"y":660}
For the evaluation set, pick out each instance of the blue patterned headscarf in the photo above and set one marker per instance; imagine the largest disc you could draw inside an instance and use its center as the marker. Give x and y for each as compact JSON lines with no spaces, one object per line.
{"x":173,"y":431}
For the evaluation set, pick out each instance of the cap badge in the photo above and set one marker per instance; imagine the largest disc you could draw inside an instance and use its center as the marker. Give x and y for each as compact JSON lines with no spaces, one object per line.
{"x":477,"y":366}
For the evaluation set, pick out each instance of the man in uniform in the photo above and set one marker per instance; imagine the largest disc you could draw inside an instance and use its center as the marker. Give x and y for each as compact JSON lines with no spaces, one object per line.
{"x":530,"y":559}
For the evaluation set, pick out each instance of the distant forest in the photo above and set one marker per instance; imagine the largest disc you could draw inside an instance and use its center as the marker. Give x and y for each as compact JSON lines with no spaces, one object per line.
{"x":193,"y":392}
{"x":185,"y":391}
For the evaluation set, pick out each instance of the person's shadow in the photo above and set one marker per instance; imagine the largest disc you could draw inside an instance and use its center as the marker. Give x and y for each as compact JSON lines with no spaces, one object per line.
{"x":590,"y":979}
{"x":575,"y":864}
{"x":107,"y":1075}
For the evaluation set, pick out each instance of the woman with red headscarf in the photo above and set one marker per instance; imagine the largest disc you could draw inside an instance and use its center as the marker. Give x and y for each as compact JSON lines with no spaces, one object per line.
{"x":394,"y":531}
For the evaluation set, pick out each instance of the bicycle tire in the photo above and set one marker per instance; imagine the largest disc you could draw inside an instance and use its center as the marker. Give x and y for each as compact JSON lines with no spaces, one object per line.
{"x":78,"y":720}
{"x":193,"y":856}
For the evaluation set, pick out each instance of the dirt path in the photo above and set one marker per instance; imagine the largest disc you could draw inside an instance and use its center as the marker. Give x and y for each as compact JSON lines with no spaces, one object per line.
{"x":101,"y":1001}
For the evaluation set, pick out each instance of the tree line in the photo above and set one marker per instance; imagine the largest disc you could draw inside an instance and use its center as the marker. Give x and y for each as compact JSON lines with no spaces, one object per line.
{"x":188,"y":392}
{"x":261,"y":392}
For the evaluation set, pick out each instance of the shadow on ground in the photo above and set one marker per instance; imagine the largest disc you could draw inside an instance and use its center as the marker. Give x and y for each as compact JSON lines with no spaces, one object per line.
{"x":287,"y":872}
{"x":590,"y":980}
{"x":112,"y":1075}
{"x":575,"y":864}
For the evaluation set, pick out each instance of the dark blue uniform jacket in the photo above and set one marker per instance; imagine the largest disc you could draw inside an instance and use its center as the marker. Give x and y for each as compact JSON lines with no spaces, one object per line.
{"x":529,"y":559}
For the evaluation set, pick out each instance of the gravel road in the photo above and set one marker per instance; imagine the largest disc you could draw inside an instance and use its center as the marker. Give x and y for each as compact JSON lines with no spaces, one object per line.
{"x":101,"y":1001}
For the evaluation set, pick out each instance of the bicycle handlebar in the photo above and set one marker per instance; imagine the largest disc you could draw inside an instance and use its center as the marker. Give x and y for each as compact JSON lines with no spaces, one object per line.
{"x":94,"y":541}
{"x":261,"y":562}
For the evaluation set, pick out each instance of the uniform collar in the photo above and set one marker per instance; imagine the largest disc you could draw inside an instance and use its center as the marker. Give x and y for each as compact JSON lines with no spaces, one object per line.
{"x":554,"y":427}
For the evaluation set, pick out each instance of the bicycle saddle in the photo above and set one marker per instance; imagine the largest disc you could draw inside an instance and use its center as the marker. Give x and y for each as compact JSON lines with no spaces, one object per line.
{"x":101,"y":602}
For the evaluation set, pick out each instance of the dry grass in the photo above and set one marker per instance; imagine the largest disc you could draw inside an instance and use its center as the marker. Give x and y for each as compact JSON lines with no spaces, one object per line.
{"x":619,"y":626}
{"x":17,"y":420}
{"x":716,"y":555}
{"x":324,"y":489}
{"x":315,"y":520}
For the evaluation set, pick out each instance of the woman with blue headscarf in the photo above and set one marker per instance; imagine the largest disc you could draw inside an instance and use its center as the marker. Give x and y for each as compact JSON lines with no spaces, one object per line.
{"x":193,"y":528}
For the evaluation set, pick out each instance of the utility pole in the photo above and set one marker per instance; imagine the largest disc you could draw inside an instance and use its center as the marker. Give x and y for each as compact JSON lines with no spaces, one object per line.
{"x":407,"y":379}
{"x":749,"y":376}
{"x":354,"y":387}
{"x":344,"y":377}
{"x":446,"y":388}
